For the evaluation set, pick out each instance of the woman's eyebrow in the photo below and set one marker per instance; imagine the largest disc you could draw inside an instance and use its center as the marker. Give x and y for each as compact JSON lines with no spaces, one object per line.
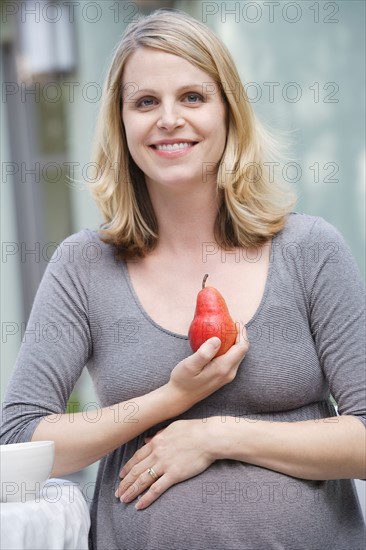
{"x":201,"y":85}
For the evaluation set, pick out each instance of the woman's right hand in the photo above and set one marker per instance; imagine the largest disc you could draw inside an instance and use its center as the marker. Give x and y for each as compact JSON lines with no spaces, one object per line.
{"x":201,"y":374}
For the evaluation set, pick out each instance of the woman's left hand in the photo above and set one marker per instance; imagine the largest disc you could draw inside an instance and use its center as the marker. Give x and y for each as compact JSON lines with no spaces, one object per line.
{"x":176,"y":453}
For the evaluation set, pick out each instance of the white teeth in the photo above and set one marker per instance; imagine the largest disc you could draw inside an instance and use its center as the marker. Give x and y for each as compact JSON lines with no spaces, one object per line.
{"x":172,"y":146}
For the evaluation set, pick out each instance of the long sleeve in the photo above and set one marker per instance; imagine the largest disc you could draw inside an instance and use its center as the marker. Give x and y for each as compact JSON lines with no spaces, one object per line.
{"x":336,"y":298}
{"x":56,"y":344}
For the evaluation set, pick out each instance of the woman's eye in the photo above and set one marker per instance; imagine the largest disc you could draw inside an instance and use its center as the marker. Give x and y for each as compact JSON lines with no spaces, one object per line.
{"x":146,"y":102}
{"x":194,"y":98}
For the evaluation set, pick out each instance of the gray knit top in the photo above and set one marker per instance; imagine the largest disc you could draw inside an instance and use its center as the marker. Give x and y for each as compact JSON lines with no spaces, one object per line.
{"x":307,"y":342}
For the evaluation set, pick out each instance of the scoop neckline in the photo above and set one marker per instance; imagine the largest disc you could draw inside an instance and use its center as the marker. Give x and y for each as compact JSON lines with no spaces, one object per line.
{"x":183,"y":336}
{"x":143,"y":310}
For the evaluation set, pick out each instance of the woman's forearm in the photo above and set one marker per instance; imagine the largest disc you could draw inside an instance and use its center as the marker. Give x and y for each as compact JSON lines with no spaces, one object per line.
{"x":81,"y":439}
{"x":328,"y":448}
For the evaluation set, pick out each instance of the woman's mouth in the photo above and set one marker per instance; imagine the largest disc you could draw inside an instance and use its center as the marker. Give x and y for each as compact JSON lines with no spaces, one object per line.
{"x":173,"y":146}
{"x":175,"y":149}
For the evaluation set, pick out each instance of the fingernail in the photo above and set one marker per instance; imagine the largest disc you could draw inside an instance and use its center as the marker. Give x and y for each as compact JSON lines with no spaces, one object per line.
{"x":116,"y":494}
{"x":214,"y":342}
{"x":139,"y":505}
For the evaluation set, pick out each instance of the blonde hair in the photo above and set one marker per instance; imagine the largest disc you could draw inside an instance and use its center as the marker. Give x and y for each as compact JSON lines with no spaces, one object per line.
{"x":251,"y":207}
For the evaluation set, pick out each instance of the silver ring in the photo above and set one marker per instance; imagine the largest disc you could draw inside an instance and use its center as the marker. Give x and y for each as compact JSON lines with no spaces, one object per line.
{"x":153,"y":474}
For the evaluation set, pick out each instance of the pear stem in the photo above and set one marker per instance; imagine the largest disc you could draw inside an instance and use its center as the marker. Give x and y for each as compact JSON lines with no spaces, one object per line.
{"x":204,"y":281}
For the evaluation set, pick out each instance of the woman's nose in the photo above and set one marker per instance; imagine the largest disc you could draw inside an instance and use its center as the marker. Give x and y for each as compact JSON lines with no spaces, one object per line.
{"x":170,"y":118}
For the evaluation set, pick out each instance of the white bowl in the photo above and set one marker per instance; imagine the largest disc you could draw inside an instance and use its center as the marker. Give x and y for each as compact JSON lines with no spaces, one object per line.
{"x":24,"y":468}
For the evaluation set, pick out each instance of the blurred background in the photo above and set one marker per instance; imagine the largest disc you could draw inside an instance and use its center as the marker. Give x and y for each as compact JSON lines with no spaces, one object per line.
{"x":303,"y":66}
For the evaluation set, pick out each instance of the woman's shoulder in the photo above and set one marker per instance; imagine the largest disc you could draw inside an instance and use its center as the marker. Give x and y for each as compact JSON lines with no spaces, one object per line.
{"x":81,"y":251}
{"x":85,"y":243}
{"x":83,"y":237}
{"x":315,"y":242}
{"x":301,"y":227}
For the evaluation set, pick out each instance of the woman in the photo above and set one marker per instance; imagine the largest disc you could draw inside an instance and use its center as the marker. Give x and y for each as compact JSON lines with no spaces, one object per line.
{"x":220,"y":455}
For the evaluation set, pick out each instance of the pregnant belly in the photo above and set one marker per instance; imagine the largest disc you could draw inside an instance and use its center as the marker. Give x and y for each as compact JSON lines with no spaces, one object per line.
{"x":234,"y":505}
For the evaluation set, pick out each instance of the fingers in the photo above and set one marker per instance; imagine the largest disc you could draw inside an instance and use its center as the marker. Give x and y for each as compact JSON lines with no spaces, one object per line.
{"x":142,"y":478}
{"x":209,"y":348}
{"x":137,"y":481}
{"x":241,"y":346}
{"x":145,"y":482}
{"x":226,"y":365}
{"x":203,"y":373}
{"x":205,"y":353}
{"x":137,"y":474}
{"x":139,"y":455}
{"x":156,"y":490}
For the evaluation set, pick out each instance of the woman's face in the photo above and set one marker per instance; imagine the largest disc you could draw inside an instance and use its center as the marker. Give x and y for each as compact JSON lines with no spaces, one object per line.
{"x":174,"y":119}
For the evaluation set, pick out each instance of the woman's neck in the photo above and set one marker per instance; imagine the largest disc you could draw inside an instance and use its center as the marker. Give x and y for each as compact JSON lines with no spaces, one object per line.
{"x":186,"y":221}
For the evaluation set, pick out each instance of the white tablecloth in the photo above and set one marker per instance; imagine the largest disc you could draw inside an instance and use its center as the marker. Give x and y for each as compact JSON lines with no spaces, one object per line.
{"x":58,"y":519}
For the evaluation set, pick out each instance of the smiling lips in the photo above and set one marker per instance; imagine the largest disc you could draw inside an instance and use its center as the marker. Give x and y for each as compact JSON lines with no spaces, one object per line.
{"x":172,"y":148}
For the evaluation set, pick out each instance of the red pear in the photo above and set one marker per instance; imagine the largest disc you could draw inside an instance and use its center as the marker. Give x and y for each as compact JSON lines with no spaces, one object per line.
{"x":211,"y":318}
